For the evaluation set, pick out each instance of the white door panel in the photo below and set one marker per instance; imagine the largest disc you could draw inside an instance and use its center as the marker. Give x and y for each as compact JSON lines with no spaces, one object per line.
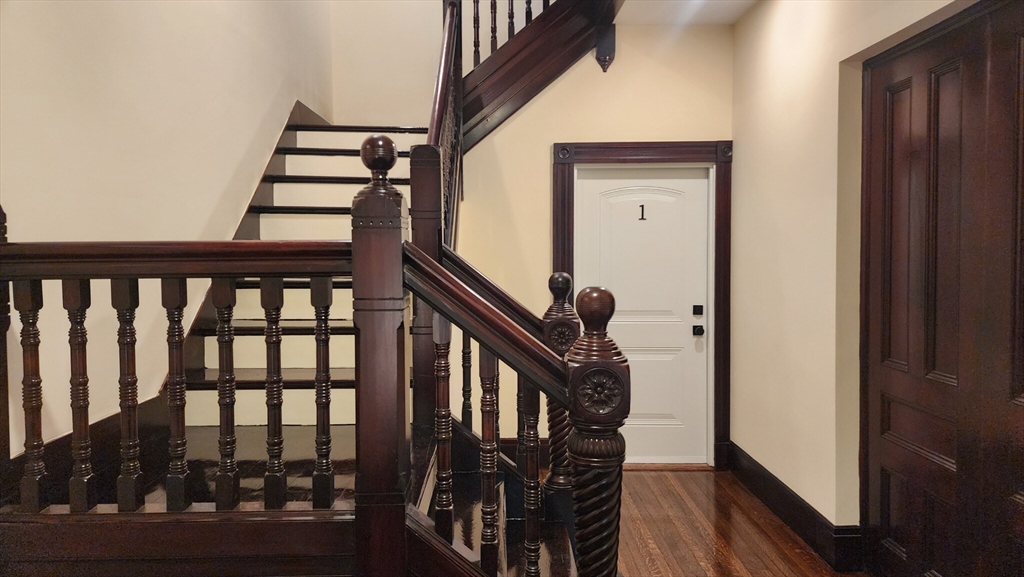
{"x":642,"y":232}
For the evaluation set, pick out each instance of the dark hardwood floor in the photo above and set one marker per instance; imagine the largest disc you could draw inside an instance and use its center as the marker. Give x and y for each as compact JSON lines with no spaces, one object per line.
{"x":706,"y":524}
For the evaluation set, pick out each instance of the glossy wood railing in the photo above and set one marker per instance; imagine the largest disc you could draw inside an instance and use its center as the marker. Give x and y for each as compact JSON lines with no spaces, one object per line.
{"x":558,"y":330}
{"x":444,"y":293}
{"x":78,"y":266}
{"x":445,"y":128}
{"x":492,"y":293}
{"x":591,"y":385}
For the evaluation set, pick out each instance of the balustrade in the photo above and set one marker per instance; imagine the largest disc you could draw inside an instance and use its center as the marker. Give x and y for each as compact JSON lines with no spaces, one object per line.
{"x":80,"y":265}
{"x":584,"y":376}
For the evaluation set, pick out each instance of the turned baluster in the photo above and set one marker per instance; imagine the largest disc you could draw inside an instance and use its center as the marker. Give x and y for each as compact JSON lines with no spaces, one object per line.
{"x":321,"y":291}
{"x":174,"y":294}
{"x":497,"y":405}
{"x":529,"y":11}
{"x":494,"y":26}
{"x":5,"y":325}
{"x":511,"y":19}
{"x":124,"y":297}
{"x":599,"y":396}
{"x":561,"y":328}
{"x":489,"y":461}
{"x":521,"y":385}
{"x":227,"y":480}
{"x":476,"y":33}
{"x":467,"y":380}
{"x":28,"y":301}
{"x":174,"y":297}
{"x":82,"y":489}
{"x":532,"y":492}
{"x":443,"y":518}
{"x":275,"y":482}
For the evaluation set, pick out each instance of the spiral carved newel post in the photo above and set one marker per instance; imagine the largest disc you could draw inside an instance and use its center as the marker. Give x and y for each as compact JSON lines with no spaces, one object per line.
{"x":599,"y":391}
{"x":561,"y":329}
{"x":382,"y":444}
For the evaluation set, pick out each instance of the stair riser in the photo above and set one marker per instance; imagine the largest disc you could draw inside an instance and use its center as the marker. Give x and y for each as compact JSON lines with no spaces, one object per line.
{"x":296,"y":351}
{"x":338,"y":166}
{"x":287,"y":194}
{"x":353,"y":139}
{"x":299,"y":408}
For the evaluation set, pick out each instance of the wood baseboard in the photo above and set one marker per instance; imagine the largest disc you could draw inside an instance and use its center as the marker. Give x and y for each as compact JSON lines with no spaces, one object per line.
{"x":841,"y":547}
{"x":668,"y":467}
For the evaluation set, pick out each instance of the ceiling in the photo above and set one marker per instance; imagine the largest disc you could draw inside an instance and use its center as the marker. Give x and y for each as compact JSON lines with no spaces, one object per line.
{"x":682,"y":12}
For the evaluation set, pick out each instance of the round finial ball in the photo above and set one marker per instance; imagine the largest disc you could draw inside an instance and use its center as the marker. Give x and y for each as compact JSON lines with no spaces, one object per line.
{"x":379,"y":153}
{"x":595,"y":307}
{"x":560,"y":285}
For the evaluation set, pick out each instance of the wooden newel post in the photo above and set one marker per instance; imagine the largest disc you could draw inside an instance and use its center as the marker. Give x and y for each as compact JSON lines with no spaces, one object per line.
{"x":425,"y":212}
{"x":561,"y":329}
{"x":382,"y":439}
{"x":598,"y":406}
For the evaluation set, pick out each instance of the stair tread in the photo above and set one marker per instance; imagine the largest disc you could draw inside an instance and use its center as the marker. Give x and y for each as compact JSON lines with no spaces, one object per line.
{"x":556,"y":556}
{"x":255,"y":378}
{"x":315,"y":151}
{"x":307,"y":179}
{"x":277,"y":209}
{"x":466,"y":513}
{"x":356,"y":128}
{"x":289,"y":327}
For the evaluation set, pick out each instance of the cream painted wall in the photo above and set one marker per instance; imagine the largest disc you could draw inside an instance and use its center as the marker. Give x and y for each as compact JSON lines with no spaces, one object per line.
{"x":140,"y":121}
{"x":665,"y":84}
{"x":385,"y":60}
{"x":796,"y":235}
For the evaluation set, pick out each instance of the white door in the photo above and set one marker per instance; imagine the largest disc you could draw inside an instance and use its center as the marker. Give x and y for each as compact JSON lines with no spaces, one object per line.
{"x":642,"y":233}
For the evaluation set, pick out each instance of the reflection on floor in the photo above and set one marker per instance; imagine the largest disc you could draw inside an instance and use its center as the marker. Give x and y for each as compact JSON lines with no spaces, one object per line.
{"x":299,"y":458}
{"x":705,"y":524}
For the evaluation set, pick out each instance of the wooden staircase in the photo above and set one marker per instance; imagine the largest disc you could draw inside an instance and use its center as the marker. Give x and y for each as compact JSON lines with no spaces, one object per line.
{"x":295,"y":318}
{"x":305,"y":193}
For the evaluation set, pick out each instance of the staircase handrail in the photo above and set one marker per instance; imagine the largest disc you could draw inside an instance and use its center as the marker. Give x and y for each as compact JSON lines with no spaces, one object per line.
{"x":445,"y":68}
{"x":505,"y":338}
{"x":492,"y":293}
{"x":445,"y":128}
{"x":151,"y":259}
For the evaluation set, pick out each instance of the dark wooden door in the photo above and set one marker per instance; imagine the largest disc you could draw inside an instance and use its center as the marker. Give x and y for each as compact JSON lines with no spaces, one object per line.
{"x":944,"y":299}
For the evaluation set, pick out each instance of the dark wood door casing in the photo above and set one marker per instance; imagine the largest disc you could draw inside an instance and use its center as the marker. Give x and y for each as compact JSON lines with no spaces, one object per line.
{"x":565,"y":158}
{"x":943,"y":299}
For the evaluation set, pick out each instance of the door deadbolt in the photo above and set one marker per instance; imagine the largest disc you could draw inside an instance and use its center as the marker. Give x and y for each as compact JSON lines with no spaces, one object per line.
{"x":698,"y":330}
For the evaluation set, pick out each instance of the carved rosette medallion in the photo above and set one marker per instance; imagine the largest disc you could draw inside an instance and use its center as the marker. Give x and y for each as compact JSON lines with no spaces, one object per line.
{"x":562,"y":336}
{"x":600,"y":391}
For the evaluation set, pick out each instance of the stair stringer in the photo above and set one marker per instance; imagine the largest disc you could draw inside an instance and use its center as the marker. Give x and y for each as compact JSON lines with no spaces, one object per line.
{"x":534,"y":58}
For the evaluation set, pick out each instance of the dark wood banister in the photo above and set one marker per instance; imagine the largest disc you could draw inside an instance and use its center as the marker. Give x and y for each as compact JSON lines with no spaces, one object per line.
{"x":492,"y":293}
{"x":445,"y":293}
{"x":445,"y":68}
{"x":66,"y":260}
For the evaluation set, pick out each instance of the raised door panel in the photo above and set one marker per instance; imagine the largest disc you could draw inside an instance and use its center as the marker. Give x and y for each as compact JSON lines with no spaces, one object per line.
{"x":945,"y":301}
{"x":916,"y":179}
